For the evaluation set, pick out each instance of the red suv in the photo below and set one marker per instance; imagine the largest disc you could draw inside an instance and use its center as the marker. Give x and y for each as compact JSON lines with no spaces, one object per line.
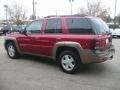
{"x":70,"y":40}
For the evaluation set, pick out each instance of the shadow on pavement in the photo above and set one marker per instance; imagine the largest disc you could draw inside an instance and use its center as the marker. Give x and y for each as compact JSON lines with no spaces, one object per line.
{"x":93,"y":69}
{"x":39,"y":59}
{"x":96,"y":69}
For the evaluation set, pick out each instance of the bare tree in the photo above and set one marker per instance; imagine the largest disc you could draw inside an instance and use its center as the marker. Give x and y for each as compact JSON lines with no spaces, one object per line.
{"x":95,"y":8}
{"x":117,"y":19}
{"x":17,"y":12}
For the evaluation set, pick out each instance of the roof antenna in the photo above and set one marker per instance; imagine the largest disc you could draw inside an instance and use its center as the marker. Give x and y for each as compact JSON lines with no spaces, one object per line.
{"x":71,"y":2}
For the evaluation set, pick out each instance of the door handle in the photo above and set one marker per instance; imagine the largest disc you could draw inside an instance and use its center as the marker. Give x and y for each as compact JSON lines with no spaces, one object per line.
{"x":26,"y":39}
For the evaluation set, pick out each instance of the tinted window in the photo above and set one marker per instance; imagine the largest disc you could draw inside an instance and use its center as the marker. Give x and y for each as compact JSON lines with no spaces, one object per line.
{"x":34,"y":27}
{"x":99,"y":26}
{"x":53,"y":26}
{"x":79,"y":26}
{"x":113,"y":26}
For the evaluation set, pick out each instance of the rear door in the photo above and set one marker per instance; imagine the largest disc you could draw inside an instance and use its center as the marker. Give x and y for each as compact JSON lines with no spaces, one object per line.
{"x":53,"y":31}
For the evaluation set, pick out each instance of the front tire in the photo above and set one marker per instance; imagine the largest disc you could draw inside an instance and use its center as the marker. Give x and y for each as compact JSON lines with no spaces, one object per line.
{"x":69,"y":62}
{"x":12,"y":51}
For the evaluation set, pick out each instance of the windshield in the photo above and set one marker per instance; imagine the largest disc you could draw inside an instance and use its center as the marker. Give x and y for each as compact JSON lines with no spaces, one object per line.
{"x":100,"y":26}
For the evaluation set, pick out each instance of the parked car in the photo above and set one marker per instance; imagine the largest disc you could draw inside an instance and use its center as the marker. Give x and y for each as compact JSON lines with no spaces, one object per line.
{"x":115,"y":32}
{"x":1,"y":31}
{"x":113,"y":26}
{"x":11,"y":28}
{"x":70,"y":40}
{"x":6,"y":29}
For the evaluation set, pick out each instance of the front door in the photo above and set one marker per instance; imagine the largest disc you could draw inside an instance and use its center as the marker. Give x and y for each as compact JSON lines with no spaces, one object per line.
{"x":33,"y":32}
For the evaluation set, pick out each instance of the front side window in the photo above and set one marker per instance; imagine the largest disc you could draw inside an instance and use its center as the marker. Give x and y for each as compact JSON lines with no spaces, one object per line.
{"x":79,"y":26}
{"x":34,"y":27}
{"x":53,"y":26}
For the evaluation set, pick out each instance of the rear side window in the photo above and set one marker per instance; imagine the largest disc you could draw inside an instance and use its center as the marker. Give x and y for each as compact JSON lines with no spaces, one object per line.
{"x":53,"y":26}
{"x":100,"y":26}
{"x":79,"y":26}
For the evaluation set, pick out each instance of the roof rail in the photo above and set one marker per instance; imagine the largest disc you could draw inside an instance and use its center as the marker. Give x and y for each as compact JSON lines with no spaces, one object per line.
{"x":78,"y":15}
{"x":50,"y":16}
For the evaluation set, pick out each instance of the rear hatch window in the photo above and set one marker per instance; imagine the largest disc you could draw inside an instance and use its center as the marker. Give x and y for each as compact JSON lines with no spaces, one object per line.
{"x":79,"y":26}
{"x":101,"y":29}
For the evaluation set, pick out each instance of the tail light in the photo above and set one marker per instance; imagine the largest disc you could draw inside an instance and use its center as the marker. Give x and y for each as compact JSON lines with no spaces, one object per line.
{"x":97,"y":44}
{"x":110,"y":39}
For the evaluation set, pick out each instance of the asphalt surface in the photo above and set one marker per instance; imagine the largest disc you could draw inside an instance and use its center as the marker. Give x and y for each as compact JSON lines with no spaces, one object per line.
{"x":36,"y":73}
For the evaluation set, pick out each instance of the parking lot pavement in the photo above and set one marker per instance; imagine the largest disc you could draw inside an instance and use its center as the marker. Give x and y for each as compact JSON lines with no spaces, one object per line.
{"x":35,"y":73}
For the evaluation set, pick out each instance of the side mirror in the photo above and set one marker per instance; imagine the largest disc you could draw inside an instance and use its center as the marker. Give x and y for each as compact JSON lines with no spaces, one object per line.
{"x":23,"y":31}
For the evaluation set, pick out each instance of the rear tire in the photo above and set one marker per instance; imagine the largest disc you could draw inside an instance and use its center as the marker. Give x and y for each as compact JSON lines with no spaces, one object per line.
{"x":69,"y":62}
{"x":12,"y":51}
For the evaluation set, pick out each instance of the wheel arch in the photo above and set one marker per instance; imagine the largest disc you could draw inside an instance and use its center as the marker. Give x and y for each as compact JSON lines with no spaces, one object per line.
{"x":8,"y":40}
{"x":66,"y":45}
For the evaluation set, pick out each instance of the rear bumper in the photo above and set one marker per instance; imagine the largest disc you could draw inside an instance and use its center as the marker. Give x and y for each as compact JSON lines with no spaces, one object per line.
{"x":108,"y":54}
{"x":96,"y":57}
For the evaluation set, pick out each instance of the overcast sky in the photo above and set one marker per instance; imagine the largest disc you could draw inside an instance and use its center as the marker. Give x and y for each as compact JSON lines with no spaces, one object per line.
{"x":49,"y":7}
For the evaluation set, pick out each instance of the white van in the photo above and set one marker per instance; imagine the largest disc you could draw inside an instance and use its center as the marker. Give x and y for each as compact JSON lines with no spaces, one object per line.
{"x":115,"y":32}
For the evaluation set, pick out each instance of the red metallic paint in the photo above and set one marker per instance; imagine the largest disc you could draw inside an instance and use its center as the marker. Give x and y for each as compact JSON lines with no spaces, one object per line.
{"x":43,"y":44}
